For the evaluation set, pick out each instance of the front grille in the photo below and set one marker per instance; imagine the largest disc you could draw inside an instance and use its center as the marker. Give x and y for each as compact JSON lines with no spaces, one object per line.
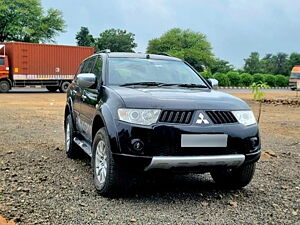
{"x":220,"y":117}
{"x":170,"y":116}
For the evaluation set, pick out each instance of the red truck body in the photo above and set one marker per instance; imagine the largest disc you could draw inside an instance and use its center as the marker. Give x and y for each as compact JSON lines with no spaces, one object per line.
{"x":41,"y":64}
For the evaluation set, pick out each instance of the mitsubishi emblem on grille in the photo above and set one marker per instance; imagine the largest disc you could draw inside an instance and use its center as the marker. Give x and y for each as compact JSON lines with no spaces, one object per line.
{"x":201,"y":119}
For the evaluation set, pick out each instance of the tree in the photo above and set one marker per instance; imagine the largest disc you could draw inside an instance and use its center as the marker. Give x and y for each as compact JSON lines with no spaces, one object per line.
{"x":221,"y":66}
{"x":267,"y":64}
{"x":185,"y":44}
{"x":84,"y":38}
{"x":293,"y":60}
{"x":252,"y":64}
{"x":116,"y":40}
{"x":281,"y":64}
{"x":25,"y":20}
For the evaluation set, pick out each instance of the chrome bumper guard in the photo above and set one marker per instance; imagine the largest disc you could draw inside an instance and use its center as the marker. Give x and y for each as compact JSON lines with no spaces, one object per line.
{"x":167,"y":162}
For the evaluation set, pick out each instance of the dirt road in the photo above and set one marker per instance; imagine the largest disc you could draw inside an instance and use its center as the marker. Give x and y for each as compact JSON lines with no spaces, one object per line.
{"x":39,"y":185}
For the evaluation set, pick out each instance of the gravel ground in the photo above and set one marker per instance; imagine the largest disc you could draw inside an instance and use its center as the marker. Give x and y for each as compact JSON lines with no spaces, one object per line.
{"x":40,"y":185}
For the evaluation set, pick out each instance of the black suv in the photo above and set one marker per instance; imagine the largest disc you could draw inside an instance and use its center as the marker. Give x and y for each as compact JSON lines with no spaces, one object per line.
{"x":141,"y":112}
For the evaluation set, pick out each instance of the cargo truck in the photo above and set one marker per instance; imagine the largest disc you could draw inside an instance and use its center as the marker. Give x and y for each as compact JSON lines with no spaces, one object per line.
{"x":294,"y":81}
{"x":28,"y":64}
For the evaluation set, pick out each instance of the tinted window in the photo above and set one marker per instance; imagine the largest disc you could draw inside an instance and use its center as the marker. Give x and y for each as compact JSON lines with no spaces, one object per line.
{"x":97,"y":69}
{"x":1,"y":61}
{"x":87,"y":65}
{"x":131,"y":70}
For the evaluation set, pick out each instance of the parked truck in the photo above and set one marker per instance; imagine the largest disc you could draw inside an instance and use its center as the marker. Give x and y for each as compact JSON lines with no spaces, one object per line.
{"x":294,"y":81}
{"x":28,"y":64}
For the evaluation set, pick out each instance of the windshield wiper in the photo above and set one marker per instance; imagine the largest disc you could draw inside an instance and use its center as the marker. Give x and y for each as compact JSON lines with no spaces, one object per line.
{"x":193,"y":85}
{"x":143,"y":83}
{"x":185,"y":85}
{"x":160,"y":84}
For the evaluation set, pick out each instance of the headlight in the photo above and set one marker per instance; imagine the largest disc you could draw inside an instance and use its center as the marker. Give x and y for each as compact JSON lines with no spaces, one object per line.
{"x":139,"y":116}
{"x":245,"y":117}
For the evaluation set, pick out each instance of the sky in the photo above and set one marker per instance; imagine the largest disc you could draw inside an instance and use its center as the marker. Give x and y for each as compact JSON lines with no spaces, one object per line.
{"x":235,"y":28}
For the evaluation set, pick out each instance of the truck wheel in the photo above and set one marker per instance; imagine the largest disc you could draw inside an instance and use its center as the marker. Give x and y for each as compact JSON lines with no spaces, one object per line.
{"x":64,"y":86}
{"x":52,"y":88}
{"x":4,"y":86}
{"x":234,"y":178}
{"x":73,"y":151}
{"x":106,"y":173}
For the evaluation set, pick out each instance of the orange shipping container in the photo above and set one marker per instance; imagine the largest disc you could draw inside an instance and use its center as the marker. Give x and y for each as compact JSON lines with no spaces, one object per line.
{"x":30,"y":61}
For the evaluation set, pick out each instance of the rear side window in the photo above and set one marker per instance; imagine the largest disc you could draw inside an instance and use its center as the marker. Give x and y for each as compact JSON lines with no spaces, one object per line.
{"x":1,"y":61}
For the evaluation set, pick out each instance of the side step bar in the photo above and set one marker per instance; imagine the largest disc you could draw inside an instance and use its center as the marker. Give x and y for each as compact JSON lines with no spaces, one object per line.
{"x":167,"y":162}
{"x":84,"y":145}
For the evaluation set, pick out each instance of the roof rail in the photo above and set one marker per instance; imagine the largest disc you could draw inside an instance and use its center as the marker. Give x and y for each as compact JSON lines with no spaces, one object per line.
{"x":166,"y":54}
{"x":105,"y":51}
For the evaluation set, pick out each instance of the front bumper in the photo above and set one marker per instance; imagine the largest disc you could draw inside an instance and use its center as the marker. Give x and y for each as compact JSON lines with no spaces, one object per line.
{"x":162,"y":146}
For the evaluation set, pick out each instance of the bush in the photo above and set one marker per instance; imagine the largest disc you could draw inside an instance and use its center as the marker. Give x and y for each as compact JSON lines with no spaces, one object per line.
{"x":258,"y":78}
{"x":206,"y":74}
{"x":281,"y":81}
{"x":223,"y":79}
{"x":270,"y":80}
{"x":246,"y":79}
{"x":234,"y":78}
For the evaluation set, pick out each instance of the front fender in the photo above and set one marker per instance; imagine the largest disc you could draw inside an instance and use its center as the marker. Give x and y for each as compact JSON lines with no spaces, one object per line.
{"x":110,"y":125}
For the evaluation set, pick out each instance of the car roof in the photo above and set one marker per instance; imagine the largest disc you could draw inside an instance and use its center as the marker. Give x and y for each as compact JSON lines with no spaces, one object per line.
{"x":139,"y":55}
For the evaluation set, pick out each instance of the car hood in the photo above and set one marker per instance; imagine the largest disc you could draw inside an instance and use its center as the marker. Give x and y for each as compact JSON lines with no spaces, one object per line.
{"x":178,"y":98}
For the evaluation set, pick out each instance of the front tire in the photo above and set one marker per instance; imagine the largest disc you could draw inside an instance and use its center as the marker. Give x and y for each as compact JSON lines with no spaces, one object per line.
{"x":106,"y":173}
{"x":4,"y":86}
{"x":72,"y":149}
{"x":234,"y":178}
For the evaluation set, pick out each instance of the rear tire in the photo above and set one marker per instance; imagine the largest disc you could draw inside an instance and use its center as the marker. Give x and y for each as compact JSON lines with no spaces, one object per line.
{"x":234,"y":178}
{"x":108,"y":177}
{"x":52,"y":88}
{"x":4,"y":86}
{"x":64,"y":86}
{"x":73,"y":151}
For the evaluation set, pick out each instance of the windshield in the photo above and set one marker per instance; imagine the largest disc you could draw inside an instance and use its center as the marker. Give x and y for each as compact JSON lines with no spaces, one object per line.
{"x":135,"y":70}
{"x":295,"y":75}
{"x":1,"y":61}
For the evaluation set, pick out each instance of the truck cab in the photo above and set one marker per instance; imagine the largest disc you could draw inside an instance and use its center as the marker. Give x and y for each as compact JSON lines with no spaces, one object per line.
{"x":5,"y":85}
{"x":294,"y":81}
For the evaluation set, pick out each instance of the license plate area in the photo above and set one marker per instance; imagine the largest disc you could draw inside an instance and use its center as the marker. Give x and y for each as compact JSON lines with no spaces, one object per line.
{"x":204,"y":140}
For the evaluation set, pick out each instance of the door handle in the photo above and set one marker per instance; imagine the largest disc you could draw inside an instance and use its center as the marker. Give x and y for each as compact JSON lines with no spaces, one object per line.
{"x":74,"y":92}
{"x":83,"y":97}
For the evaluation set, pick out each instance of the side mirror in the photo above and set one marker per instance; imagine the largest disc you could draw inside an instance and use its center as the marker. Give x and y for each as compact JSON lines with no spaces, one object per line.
{"x":213,"y":82}
{"x":86,"y":80}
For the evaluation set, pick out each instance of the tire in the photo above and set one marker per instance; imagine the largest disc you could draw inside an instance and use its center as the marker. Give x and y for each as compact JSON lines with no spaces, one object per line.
{"x":4,"y":86}
{"x":64,"y":86}
{"x":52,"y":88}
{"x":73,"y":151}
{"x":107,"y":175}
{"x":234,"y":178}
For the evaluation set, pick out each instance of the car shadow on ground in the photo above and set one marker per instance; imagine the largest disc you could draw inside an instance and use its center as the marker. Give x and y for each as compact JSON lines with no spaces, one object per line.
{"x":166,"y":185}
{"x":194,"y":186}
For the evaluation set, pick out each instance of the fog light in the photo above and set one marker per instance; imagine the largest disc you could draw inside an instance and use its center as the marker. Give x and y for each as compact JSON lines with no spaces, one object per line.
{"x":254,"y":142}
{"x":137,"y":145}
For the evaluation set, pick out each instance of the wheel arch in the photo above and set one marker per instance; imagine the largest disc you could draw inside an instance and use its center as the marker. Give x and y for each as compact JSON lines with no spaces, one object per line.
{"x":9,"y":81}
{"x":104,"y":118}
{"x":69,"y":110}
